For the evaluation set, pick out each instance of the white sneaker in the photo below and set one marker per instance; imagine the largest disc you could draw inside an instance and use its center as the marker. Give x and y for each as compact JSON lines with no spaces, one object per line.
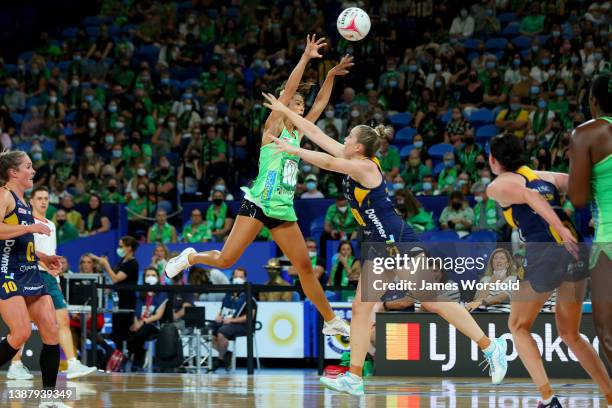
{"x":77,"y":369}
{"x":346,"y":382}
{"x":53,"y":404}
{"x":179,"y":263}
{"x":497,"y":361}
{"x":337,"y":326}
{"x":18,"y":372}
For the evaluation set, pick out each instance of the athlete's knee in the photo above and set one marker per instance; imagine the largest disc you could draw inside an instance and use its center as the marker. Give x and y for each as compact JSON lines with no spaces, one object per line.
{"x":223,"y":261}
{"x":570,"y":336}
{"x":62,"y":318}
{"x":20,"y":335}
{"x":304,"y":267}
{"x":516,"y":324}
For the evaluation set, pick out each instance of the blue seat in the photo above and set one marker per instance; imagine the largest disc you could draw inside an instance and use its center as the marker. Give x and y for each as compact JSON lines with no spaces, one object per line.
{"x":189,"y":83}
{"x":405,"y":151}
{"x":70,"y":32}
{"x":525,"y":54}
{"x":438,"y":168}
{"x":128,"y":27}
{"x":487,"y":132}
{"x":481,"y":236}
{"x":70,"y":116}
{"x":440,"y":236}
{"x":405,"y":136}
{"x":446,"y":117}
{"x":481,"y":117}
{"x":472,"y":57}
{"x":11,"y":68}
{"x":507,"y":18}
{"x":92,"y":21}
{"x":522,"y":41}
{"x":543,"y":39}
{"x":63,"y":65}
{"x":213,"y":13}
{"x":92,"y":31}
{"x":233,"y":12}
{"x":26,"y":56}
{"x":471,"y":44}
{"x":500,"y":55}
{"x":440,"y":149}
{"x":32,"y":101}
{"x":174,"y":83}
{"x":511,"y":30}
{"x":317,"y":227}
{"x":192,"y":71}
{"x":496,"y":44}
{"x":17,"y":117}
{"x":114,"y":30}
{"x":401,"y":120}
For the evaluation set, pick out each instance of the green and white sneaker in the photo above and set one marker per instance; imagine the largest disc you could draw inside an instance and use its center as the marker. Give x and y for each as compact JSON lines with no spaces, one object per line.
{"x":496,"y":360}
{"x":347,"y":382}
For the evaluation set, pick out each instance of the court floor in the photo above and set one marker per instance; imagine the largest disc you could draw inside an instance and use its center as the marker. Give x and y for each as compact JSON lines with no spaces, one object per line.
{"x":299,"y":388}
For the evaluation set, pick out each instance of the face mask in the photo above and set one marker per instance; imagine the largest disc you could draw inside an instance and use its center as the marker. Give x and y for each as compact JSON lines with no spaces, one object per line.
{"x":141,"y":172}
{"x":398,"y":186}
{"x":89,"y":155}
{"x":412,"y":68}
{"x":596,"y":56}
{"x":545,"y":61}
{"x":209,"y":120}
{"x":552,"y":72}
{"x":556,"y":33}
{"x":535,"y":48}
{"x":478,"y":199}
{"x":438,"y":84}
{"x":119,"y":125}
{"x":438,"y":67}
{"x":500,"y":274}
{"x":151,"y":280}
{"x":60,"y":222}
{"x":541,"y":104}
{"x":516,"y":62}
{"x":109,"y":139}
{"x":92,"y":125}
{"x":427,"y":186}
{"x":524,"y":78}
{"x":116,"y":154}
{"x":515,"y":106}
{"x":469,"y":141}
{"x":393,"y":83}
{"x":603,"y":33}
{"x":485,"y":180}
{"x":312,"y":254}
{"x":120,"y":252}
{"x":342,"y":209}
{"x":530,"y":138}
{"x":560,"y":92}
{"x":112,"y":189}
{"x":456,"y":206}
{"x":217,"y":201}
{"x":535,"y":90}
{"x":588,"y":44}
{"x":449,"y":163}
{"x":329,"y":114}
{"x":574,"y":60}
{"x":369,"y":86}
{"x":355,"y":113}
{"x":53,"y":99}
{"x":112,"y":108}
{"x":238,"y":281}
{"x":188,"y":107}
{"x":464,"y":13}
{"x":418,"y":144}
{"x":490,"y":64}
{"x":37,"y":156}
{"x":311,"y":185}
{"x":171,"y":125}
{"x":89,"y":98}
{"x":378,"y":116}
{"x":307,"y":168}
{"x":219,"y":187}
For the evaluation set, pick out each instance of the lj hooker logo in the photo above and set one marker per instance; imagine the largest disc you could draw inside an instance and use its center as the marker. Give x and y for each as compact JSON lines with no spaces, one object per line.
{"x":403,"y":341}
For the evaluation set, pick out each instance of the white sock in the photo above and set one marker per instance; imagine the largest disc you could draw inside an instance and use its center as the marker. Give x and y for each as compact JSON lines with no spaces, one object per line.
{"x":490,"y":348}
{"x":72,"y":361}
{"x":549,"y":400}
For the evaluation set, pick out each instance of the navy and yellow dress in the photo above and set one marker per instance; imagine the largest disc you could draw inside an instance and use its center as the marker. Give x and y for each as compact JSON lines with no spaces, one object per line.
{"x":375,"y":213}
{"x":548,"y":263}
{"x":18,"y":261}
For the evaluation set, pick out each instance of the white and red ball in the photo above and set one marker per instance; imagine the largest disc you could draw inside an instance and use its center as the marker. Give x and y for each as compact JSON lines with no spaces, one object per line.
{"x":353,"y":24}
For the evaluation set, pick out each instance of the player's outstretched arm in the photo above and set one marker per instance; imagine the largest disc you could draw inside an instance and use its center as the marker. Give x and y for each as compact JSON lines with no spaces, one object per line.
{"x":308,"y":128}
{"x":324,"y":94}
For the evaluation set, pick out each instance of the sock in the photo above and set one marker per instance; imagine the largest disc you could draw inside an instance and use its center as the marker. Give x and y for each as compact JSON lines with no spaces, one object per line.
{"x":548,"y":400}
{"x":49,"y":364}
{"x":356,"y":370}
{"x":546,"y":392}
{"x":484,"y":343}
{"x":72,"y":362}
{"x":609,"y":398}
{"x":7,"y":352}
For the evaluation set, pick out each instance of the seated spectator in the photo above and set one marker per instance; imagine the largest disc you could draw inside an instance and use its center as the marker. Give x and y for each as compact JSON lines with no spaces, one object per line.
{"x":273,"y":267}
{"x":457,"y":215}
{"x":318,"y":262}
{"x":345,"y":271}
{"x":95,"y":220}
{"x":462,"y":25}
{"x":456,"y":128}
{"x":429,"y":186}
{"x":500,"y":268}
{"x":488,"y":215}
{"x":111,"y":193}
{"x":415,"y":215}
{"x":448,"y":176}
{"x":567,"y":206}
{"x":87,"y":264}
{"x":201,"y":276}
{"x":182,"y":300}
{"x":139,"y":208}
{"x":541,"y":119}
{"x":468,"y":153}
{"x":389,"y":158}
{"x":150,"y":309}
{"x":312,"y":190}
{"x":221,"y":185}
{"x":160,"y":258}
{"x":196,"y":230}
{"x":66,"y":170}
{"x":72,"y":215}
{"x":340,"y":223}
{"x":161,"y":231}
{"x":66,"y":232}
{"x":515,"y":119}
{"x":219,"y":217}
{"x":231,"y":320}
{"x":533,"y":23}
{"x":414,"y":171}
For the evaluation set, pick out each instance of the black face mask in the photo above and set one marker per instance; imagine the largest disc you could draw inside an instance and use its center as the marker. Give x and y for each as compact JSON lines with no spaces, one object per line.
{"x":469,"y":141}
{"x":217,"y":201}
{"x":91,"y":176}
{"x":142,"y":193}
{"x":473,"y":78}
{"x":165,"y":172}
{"x":456,"y":206}
{"x":60,"y":222}
{"x":112,"y":189}
{"x":480,"y":165}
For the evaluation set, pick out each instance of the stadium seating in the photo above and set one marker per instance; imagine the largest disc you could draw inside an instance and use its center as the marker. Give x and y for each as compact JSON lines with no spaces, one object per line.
{"x":439,"y":150}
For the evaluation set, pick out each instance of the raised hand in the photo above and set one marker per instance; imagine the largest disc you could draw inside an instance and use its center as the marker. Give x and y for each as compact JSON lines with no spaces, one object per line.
{"x":313,"y":45}
{"x":342,"y":67}
{"x":273,"y":103}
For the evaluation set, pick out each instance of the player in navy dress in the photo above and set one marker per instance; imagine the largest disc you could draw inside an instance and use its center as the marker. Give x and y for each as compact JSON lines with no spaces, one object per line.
{"x":23,"y":295}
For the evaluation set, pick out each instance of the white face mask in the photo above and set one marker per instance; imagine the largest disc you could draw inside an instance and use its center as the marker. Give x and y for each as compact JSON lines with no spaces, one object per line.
{"x":329,"y":114}
{"x":238,"y":281}
{"x":478,"y":199}
{"x":312,"y":254}
{"x":342,"y":209}
{"x":500,"y":274}
{"x":141,"y":172}
{"x":151,"y":280}
{"x":355,"y":113}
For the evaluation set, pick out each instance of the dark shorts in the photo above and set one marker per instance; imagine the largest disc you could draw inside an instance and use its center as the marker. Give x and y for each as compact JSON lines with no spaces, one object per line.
{"x":54,"y":290}
{"x":250,"y":209}
{"x":229,"y":331}
{"x":549,"y":265}
{"x":28,"y":283}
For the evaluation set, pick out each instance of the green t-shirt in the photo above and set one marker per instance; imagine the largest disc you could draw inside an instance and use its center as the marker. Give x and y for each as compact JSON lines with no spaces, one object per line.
{"x":212,"y":149}
{"x":532,"y":24}
{"x":390,"y":160}
{"x":422,"y":221}
{"x":163,"y":234}
{"x":66,"y":232}
{"x":447,"y":177}
{"x":490,"y":213}
{"x":413,"y":176}
{"x":341,"y":221}
{"x":137,"y":205}
{"x":200,"y":234}
{"x":112,"y":198}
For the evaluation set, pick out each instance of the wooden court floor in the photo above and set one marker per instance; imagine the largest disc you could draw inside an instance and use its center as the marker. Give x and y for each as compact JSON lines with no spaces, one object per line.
{"x":300,"y":389}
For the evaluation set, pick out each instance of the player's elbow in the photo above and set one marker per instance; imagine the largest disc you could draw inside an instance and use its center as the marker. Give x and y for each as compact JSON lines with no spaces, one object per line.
{"x":579,"y":199}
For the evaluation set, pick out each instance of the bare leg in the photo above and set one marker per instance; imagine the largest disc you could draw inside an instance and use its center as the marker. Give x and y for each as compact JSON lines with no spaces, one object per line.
{"x":65,"y":335}
{"x":522,"y":315}
{"x":361,"y":322}
{"x":601,"y":298}
{"x":17,"y":357}
{"x":291,"y":241}
{"x":14,"y":313}
{"x":458,"y":316}
{"x":568,"y":315}
{"x":42,"y":313}
{"x":243,"y":233}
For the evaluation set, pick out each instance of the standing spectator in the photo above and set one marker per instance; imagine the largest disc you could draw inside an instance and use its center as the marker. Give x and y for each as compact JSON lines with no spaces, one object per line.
{"x":65,"y":230}
{"x":488,"y":215}
{"x":312,"y":190}
{"x":273,"y":267}
{"x":150,"y":308}
{"x":457,"y":215}
{"x":197,"y":230}
{"x":219,"y":216}
{"x":126,"y":273}
{"x":161,"y":231}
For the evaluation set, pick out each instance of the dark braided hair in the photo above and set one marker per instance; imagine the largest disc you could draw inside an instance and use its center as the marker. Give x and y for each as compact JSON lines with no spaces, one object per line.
{"x":601,"y":90}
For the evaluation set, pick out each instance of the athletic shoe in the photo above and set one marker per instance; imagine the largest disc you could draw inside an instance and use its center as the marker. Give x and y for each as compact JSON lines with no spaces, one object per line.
{"x":552,"y":404}
{"x":346,"y":382}
{"x":53,"y":404}
{"x":18,"y":372}
{"x":179,"y":263}
{"x":497,"y":361}
{"x":77,"y":369}
{"x":337,"y":326}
